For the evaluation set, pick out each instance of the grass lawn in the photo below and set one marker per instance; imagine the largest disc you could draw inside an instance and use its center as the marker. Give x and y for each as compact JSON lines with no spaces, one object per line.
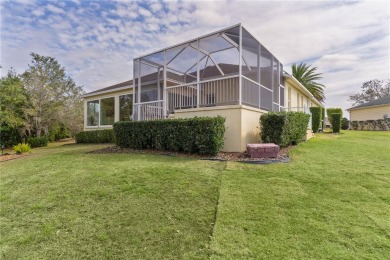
{"x":331,"y":201}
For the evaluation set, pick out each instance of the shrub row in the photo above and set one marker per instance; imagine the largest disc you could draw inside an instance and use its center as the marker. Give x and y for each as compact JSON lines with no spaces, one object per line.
{"x":316,"y":118}
{"x":336,"y":122}
{"x":284,"y":128}
{"x":202,"y":135}
{"x":372,"y":125}
{"x":96,"y":136}
{"x":38,"y":141}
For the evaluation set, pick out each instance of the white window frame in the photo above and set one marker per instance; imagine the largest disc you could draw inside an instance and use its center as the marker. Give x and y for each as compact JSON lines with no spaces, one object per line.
{"x":119,"y":108}
{"x":100,"y":107}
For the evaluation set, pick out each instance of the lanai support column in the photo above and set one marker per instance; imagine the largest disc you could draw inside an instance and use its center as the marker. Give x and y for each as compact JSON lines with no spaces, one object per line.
{"x":165,"y":96}
{"x":197,"y":74}
{"x":240,"y":68}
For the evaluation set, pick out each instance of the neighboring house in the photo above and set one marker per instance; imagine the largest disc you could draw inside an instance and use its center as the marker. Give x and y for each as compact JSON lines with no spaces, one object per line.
{"x":372,"y":110}
{"x":227,"y":73}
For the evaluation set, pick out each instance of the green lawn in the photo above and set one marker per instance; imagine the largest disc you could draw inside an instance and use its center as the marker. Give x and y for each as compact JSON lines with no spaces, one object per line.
{"x":331,"y":201}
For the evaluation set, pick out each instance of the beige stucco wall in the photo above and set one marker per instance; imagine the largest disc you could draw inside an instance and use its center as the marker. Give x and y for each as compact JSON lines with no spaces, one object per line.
{"x":369,"y":113}
{"x":114,"y":94}
{"x":242,"y":124}
{"x":298,"y":98}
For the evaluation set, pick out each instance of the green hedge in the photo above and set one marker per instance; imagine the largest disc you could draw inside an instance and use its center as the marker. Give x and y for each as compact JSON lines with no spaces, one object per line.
{"x":96,"y":136}
{"x":316,"y":118}
{"x":203,"y":135}
{"x":336,"y":122}
{"x":284,"y":128}
{"x":330,"y":111}
{"x":38,"y":141}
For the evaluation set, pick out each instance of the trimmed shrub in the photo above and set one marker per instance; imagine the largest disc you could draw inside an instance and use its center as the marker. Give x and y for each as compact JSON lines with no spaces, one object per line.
{"x":202,"y":135}
{"x":323,"y":119}
{"x":22,"y":148}
{"x":284,"y":128}
{"x":345,"y":123}
{"x":96,"y":136}
{"x":336,"y":122}
{"x":316,"y":118}
{"x":330,"y":111}
{"x":37,"y":141}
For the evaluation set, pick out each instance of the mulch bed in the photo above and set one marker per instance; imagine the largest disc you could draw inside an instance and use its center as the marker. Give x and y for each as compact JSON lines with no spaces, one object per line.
{"x":7,"y":157}
{"x":222,"y":156}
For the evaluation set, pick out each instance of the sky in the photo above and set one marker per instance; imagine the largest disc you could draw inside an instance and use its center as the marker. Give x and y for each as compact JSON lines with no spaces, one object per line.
{"x":96,"y":41}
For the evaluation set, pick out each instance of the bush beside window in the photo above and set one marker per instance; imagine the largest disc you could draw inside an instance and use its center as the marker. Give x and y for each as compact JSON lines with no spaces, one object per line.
{"x":96,"y":136}
{"x":316,"y":118}
{"x":38,"y":141}
{"x":202,"y":135}
{"x":284,"y":128}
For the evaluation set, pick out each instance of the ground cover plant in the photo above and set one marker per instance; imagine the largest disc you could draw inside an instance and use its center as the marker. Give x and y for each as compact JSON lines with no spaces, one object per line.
{"x":62,"y":202}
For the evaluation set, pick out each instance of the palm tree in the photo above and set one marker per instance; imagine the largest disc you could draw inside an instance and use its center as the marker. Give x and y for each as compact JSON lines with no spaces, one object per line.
{"x":308,"y":77}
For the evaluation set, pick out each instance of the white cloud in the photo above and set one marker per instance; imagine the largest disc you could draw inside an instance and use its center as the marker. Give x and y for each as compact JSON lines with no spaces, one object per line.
{"x":347,"y":41}
{"x":144,"y":12}
{"x":54,"y":9}
{"x":38,"y":12}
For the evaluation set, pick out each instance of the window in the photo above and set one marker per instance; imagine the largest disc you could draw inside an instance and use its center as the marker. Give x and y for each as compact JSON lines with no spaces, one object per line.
{"x":289,"y":97}
{"x":297,"y":99}
{"x":93,"y":113}
{"x":125,"y":107}
{"x":107,"y":111}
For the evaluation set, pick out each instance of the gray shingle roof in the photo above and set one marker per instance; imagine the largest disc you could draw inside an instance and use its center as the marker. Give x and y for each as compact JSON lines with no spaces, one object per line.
{"x":128,"y":83}
{"x":376,"y":102}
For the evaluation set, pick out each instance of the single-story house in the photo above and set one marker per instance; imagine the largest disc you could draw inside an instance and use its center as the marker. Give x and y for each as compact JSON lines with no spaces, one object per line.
{"x":227,"y":73}
{"x":372,"y":110}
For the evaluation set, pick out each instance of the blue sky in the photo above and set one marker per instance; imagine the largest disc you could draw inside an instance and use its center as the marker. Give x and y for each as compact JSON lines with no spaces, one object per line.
{"x":349,"y":41}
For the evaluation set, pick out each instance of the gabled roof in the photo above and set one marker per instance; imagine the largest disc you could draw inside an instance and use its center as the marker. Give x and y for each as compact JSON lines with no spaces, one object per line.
{"x":377,"y":102}
{"x":122,"y":85}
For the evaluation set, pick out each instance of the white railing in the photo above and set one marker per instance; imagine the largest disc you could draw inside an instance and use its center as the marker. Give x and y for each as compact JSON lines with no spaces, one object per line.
{"x":211,"y":93}
{"x":182,"y":97}
{"x":149,"y":111}
{"x":299,"y":109}
{"x":256,"y":95}
{"x":219,"y":92}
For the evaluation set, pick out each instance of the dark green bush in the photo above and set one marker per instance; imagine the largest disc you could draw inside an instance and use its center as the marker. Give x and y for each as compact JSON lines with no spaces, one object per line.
{"x":316,"y":118}
{"x":202,"y":135}
{"x":330,"y":111}
{"x":96,"y":136}
{"x":284,"y":128}
{"x":37,"y":141}
{"x":336,"y":122}
{"x":9,"y":136}
{"x":345,"y":123}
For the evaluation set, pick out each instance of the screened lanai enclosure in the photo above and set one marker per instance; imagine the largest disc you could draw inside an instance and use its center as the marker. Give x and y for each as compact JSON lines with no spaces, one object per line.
{"x":228,"y":67}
